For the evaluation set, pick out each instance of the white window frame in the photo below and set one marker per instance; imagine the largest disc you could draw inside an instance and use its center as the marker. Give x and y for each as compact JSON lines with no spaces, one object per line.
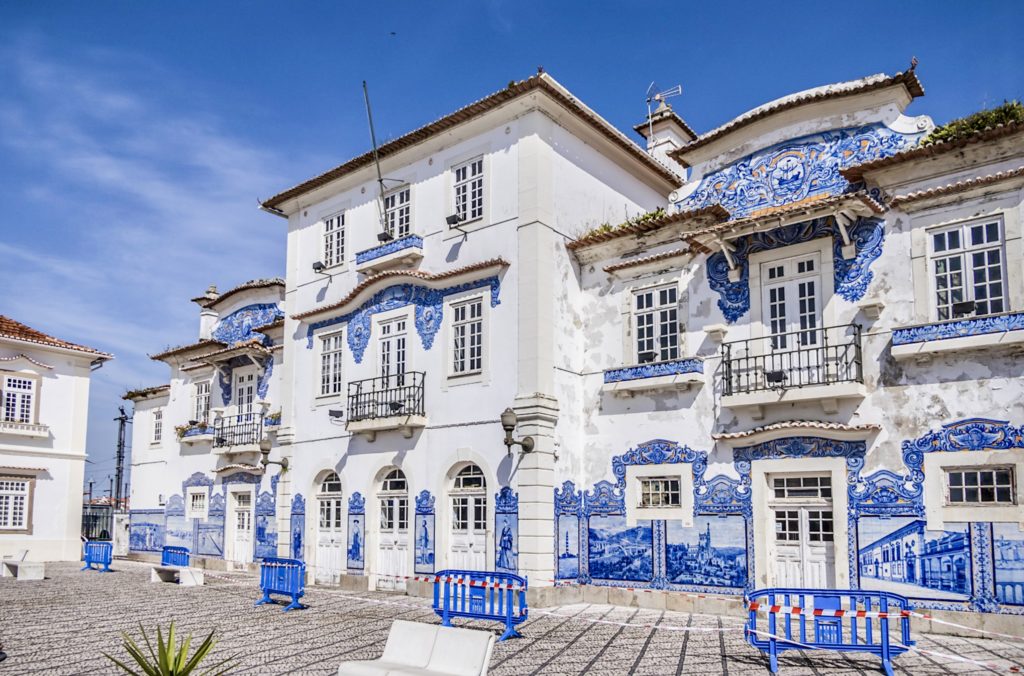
{"x":657,"y":492}
{"x":9,"y":496}
{"x":333,"y":239}
{"x":202,"y":511}
{"x":201,"y":400}
{"x":157,"y":427}
{"x":964,"y":253}
{"x":468,"y":215}
{"x":1012,"y":486}
{"x":338,"y":352}
{"x":455,"y":325}
{"x":393,"y":209}
{"x":19,"y":395}
{"x":940,"y":512}
{"x":635,"y":509}
{"x":634,"y":314}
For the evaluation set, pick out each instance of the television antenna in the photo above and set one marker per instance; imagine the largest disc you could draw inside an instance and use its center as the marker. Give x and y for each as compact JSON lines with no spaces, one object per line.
{"x":382,"y":236}
{"x":656,"y":93}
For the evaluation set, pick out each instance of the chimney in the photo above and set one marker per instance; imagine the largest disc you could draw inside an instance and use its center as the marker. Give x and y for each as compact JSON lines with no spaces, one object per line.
{"x":665,"y":131}
{"x":207,"y":316}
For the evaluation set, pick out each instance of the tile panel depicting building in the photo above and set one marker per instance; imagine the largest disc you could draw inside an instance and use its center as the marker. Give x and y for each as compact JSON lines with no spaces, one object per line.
{"x":793,"y":362}
{"x":44,"y":410}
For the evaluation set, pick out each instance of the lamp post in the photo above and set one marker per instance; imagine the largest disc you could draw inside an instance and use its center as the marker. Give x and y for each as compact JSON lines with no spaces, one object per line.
{"x":265,"y":456}
{"x":509,"y":420}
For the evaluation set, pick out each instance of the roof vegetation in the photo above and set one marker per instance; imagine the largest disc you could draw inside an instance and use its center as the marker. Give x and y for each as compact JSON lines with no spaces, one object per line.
{"x":1010,"y":112}
{"x":605,"y":228}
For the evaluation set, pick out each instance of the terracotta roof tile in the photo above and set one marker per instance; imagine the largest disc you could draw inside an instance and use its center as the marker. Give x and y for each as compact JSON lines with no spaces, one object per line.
{"x":715,"y":212}
{"x":211,"y":299}
{"x":833,"y":91}
{"x":959,"y":186}
{"x":15,"y":330}
{"x":857,"y":172}
{"x":798,"y":425}
{"x":144,"y":392}
{"x":654,"y":258}
{"x":541,"y":81}
{"x":172,"y":351}
{"x":415,"y":274}
{"x":251,"y":344}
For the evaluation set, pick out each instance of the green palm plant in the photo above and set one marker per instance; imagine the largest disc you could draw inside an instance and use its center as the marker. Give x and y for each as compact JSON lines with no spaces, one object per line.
{"x":169,"y":659}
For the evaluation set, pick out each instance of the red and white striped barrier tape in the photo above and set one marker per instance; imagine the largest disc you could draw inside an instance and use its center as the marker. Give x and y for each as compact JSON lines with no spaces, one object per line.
{"x":827,"y":612}
{"x":455,"y":580}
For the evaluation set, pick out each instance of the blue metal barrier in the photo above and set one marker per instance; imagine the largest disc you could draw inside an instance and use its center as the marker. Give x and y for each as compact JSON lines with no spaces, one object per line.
{"x":480,"y":595}
{"x":98,"y":554}
{"x":843,"y":629}
{"x":282,"y":576}
{"x":174,"y":556}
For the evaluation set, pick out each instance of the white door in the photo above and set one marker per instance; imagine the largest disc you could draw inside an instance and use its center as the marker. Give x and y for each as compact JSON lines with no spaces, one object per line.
{"x":242,"y":546}
{"x":468,"y":538}
{"x":330,"y":534}
{"x":791,"y":308}
{"x":245,"y":395}
{"x":392,"y":352}
{"x":393,"y":537}
{"x":803,"y":547}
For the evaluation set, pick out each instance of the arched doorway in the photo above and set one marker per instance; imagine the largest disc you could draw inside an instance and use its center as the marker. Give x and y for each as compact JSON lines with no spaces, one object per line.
{"x":330,"y":535}
{"x":468,"y":538}
{"x":393,"y":536}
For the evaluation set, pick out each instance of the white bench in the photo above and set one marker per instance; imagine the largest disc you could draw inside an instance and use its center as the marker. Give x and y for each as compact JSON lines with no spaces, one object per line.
{"x":17,"y":567}
{"x":415,"y":648}
{"x":186,"y":577}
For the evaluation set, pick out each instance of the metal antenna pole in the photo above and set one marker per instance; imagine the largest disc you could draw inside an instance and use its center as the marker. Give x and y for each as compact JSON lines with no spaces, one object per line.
{"x":376,"y":160}
{"x":122,"y":421}
{"x":91,"y":482}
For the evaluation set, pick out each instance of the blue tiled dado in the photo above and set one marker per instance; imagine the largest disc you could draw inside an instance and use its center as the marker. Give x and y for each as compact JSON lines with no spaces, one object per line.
{"x":665,"y":368}
{"x":407,"y":242}
{"x":975,"y":326}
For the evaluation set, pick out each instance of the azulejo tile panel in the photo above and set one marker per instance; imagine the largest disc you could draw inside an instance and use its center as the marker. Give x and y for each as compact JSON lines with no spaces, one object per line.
{"x":958,"y":329}
{"x":665,"y":368}
{"x":407,"y":242}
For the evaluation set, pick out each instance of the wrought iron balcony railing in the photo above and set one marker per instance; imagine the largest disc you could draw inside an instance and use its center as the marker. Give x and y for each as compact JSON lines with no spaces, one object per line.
{"x":386,"y":397}
{"x":785,"y":361}
{"x":238,"y":430}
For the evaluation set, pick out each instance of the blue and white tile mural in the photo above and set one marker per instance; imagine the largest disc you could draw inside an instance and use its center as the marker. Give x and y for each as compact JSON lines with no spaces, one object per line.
{"x":618,"y":551}
{"x":423,"y":534}
{"x":568,"y":550}
{"x":713,"y":552}
{"x":266,"y":526}
{"x":210,"y":533}
{"x":298,"y":520}
{"x":900,"y":555}
{"x":178,"y":531}
{"x":146,"y":530}
{"x":356,"y":551}
{"x":506,"y":531}
{"x":1008,"y":561}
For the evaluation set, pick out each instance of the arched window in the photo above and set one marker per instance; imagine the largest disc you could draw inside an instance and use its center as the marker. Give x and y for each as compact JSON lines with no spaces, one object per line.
{"x":394,"y":482}
{"x":470,"y":478}
{"x":331,"y":483}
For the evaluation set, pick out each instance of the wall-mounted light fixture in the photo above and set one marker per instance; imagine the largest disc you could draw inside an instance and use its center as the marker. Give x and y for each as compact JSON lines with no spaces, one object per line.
{"x":265,"y":456}
{"x":509,"y":420}
{"x":454,"y":219}
{"x":335,"y":413}
{"x":384,"y":236}
{"x":318,"y":267}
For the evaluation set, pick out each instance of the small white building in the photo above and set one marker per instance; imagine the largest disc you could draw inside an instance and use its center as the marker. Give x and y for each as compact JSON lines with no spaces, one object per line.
{"x":44,"y":410}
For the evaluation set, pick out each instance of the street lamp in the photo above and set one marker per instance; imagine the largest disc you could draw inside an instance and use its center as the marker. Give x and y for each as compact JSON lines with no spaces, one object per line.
{"x":508,"y":423}
{"x":265,"y":456}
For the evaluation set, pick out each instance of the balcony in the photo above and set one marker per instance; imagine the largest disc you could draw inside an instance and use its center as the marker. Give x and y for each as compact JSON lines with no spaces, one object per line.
{"x":823,"y":365}
{"x":678,"y":374}
{"x":24,"y":429}
{"x":404,"y":252}
{"x":924,"y":341}
{"x":238,"y":433}
{"x":392,"y":402}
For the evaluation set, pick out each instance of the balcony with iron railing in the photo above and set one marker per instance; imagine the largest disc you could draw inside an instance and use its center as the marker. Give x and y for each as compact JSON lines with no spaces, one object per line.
{"x":819,"y":364}
{"x":237,"y":433}
{"x":392,"y":402}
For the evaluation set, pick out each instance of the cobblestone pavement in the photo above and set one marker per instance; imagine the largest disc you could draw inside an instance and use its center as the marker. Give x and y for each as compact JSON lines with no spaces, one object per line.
{"x":63,"y":624}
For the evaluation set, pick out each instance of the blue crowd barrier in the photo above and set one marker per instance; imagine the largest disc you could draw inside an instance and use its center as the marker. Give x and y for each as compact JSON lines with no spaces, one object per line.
{"x":849,"y":627}
{"x":98,"y":554}
{"x":481,"y":595}
{"x":283,"y":576}
{"x":175,"y":556}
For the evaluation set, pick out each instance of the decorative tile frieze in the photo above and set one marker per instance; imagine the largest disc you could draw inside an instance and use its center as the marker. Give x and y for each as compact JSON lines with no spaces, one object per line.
{"x":974,"y":326}
{"x":407,"y":242}
{"x":665,"y":368}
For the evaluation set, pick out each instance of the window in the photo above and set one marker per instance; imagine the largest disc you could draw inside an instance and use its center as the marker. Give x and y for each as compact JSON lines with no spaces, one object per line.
{"x":470,"y":478}
{"x":980,"y":486}
{"x":469,"y":502}
{"x":394,"y":503}
{"x":656,"y":321}
{"x":468,"y":337}
{"x":397,"y":212}
{"x":659,"y":491}
{"x":967,"y":269}
{"x":331,"y":483}
{"x":201,"y":410}
{"x":802,"y":487}
{"x":19,"y":399}
{"x":196,"y":506}
{"x":330,"y":364}
{"x":158,"y":425}
{"x":334,"y":240}
{"x":394,"y":482}
{"x":14,"y":502}
{"x":469,"y":190}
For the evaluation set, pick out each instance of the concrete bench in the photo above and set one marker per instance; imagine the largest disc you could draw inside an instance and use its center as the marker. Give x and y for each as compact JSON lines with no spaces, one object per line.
{"x":426,"y":649}
{"x":20,"y":569}
{"x":186,"y":577}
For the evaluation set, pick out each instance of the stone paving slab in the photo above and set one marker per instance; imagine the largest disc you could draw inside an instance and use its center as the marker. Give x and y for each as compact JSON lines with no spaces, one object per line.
{"x":64,"y":624}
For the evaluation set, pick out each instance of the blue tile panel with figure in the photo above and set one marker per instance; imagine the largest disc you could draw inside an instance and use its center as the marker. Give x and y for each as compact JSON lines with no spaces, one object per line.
{"x":1008,"y":552}
{"x":424,"y":561}
{"x":568,"y":550}
{"x":620,"y":552}
{"x":146,"y":530}
{"x":900,"y":555}
{"x":356,"y":542}
{"x":713,"y":552}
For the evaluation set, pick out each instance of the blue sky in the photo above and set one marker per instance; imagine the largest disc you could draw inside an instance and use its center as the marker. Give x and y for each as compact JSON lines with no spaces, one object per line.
{"x":135,"y":138}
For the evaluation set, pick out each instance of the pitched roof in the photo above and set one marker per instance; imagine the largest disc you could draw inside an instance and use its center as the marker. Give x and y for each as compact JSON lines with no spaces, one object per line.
{"x":715,"y":212}
{"x":857,"y":171}
{"x":539,"y":82}
{"x":172,"y":351}
{"x":212,"y":298}
{"x":798,"y":425}
{"x":664,"y":112}
{"x":644,"y":260}
{"x":415,"y":274}
{"x":959,"y":186}
{"x":144,"y":392}
{"x":15,"y":330}
{"x":814,"y":95}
